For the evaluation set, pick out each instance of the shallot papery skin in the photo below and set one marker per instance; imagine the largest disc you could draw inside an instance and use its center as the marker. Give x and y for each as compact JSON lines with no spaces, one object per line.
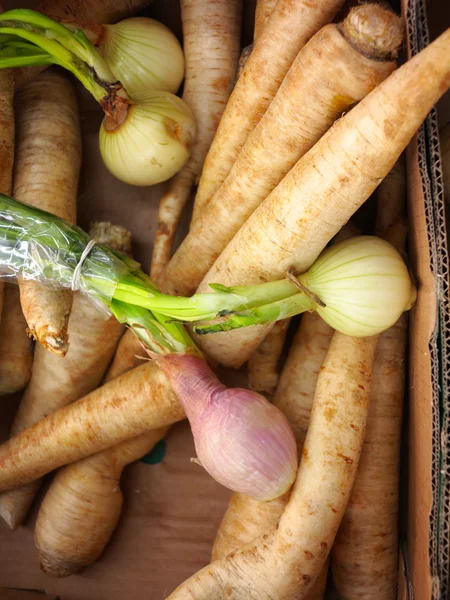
{"x":244,"y":442}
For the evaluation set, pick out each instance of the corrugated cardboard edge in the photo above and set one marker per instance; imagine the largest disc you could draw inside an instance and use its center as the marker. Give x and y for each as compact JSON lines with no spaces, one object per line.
{"x":420,"y":555}
{"x":439,"y":538}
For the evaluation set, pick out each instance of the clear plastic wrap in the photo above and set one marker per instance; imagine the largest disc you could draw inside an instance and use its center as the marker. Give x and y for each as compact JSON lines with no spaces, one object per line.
{"x":39,"y":246}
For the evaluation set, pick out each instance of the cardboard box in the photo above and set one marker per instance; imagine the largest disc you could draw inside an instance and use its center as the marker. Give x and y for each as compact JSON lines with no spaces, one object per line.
{"x":172,"y":509}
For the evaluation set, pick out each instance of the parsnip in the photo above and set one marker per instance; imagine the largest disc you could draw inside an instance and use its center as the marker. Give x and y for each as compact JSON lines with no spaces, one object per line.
{"x":323,"y":190}
{"x":246,"y":519}
{"x":82,"y":507}
{"x":211,"y":38}
{"x":131,"y":404}
{"x":263,"y":364}
{"x":283,"y":563}
{"x":6,"y":138}
{"x":6,"y":147}
{"x":64,"y":546}
{"x":264,"y":8}
{"x":289,"y":27}
{"x":365,"y":553}
{"x":16,"y":349}
{"x":47,"y":166}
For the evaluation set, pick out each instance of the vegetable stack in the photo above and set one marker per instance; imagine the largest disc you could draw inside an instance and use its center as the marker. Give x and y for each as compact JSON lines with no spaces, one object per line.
{"x":280,"y":143}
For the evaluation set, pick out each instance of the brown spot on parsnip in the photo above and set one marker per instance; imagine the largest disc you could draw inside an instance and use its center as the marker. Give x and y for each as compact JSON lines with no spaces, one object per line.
{"x":329,"y":413}
{"x":347,"y":459}
{"x":389,"y":129}
{"x":221,"y":83}
{"x":283,"y":548}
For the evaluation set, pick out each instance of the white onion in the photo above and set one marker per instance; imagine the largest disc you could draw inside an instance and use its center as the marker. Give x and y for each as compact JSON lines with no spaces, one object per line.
{"x":144,"y":55}
{"x":153,"y":141}
{"x":363,"y":282}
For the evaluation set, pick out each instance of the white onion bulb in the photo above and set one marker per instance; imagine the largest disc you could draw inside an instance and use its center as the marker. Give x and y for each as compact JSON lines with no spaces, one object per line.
{"x":153,"y":141}
{"x":363,"y":282}
{"x":144,"y":55}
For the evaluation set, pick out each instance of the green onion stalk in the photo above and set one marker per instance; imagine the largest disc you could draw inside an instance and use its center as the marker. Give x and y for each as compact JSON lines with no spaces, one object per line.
{"x":359,"y":286}
{"x":144,"y":139}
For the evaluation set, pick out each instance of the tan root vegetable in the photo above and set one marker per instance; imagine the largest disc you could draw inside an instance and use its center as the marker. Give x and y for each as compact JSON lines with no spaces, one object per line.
{"x":365,"y":553}
{"x":47,"y":166}
{"x":264,"y":8}
{"x":6,"y":139}
{"x":287,"y":30}
{"x":135,"y":402}
{"x":284,"y":562}
{"x":324,"y":189}
{"x":295,"y":392}
{"x":211,"y":37}
{"x":73,"y":529}
{"x":16,"y":349}
{"x":312,"y":96}
{"x":82,"y":507}
{"x":245,"y":518}
{"x":263,"y":364}
{"x":210,"y":73}
{"x":6,"y":128}
{"x":58,"y":381}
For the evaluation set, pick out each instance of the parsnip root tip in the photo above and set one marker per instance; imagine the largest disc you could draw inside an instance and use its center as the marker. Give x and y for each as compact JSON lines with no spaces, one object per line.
{"x":116,"y":236}
{"x":52,"y":568}
{"x":54,"y":341}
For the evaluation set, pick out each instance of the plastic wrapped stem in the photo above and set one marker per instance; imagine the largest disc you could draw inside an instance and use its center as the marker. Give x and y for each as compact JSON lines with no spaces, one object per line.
{"x":40,"y":246}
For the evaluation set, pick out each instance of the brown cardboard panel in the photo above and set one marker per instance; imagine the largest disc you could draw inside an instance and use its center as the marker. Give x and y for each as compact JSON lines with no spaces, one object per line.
{"x":420,"y":402}
{"x":427,"y":550}
{"x":420,"y":390}
{"x":170,"y":517}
